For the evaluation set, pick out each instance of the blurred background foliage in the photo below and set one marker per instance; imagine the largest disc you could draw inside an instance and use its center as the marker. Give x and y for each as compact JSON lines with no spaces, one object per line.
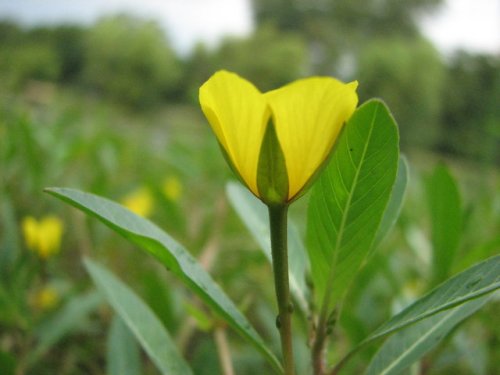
{"x":112,"y":108}
{"x":442,"y":103}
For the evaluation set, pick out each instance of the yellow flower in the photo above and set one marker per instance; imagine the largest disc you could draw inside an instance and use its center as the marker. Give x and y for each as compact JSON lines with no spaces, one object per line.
{"x":44,"y":236}
{"x":172,"y":188}
{"x":140,"y":202}
{"x":46,"y":298}
{"x":278,"y":140}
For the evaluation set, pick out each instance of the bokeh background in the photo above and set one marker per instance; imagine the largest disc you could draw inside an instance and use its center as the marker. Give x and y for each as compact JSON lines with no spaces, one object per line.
{"x":103,"y":98}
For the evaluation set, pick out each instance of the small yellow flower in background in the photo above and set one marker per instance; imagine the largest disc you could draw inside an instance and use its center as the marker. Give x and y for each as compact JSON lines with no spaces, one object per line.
{"x":172,"y":188}
{"x":30,"y":231}
{"x":302,"y":121}
{"x":46,"y":298}
{"x":140,"y":202}
{"x":44,"y":236}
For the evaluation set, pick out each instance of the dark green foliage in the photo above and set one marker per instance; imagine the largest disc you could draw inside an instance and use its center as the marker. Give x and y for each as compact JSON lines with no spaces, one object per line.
{"x":198,"y":67}
{"x":362,"y":17}
{"x":408,"y":74}
{"x":68,"y":42}
{"x":449,"y":105}
{"x":44,"y":53}
{"x":28,"y":61}
{"x":130,"y":61}
{"x":268,"y":58}
{"x":334,"y":27}
{"x":471,"y":111}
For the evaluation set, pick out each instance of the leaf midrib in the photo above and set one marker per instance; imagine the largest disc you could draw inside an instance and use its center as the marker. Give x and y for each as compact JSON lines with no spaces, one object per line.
{"x":420,"y":340}
{"x":345,"y":211}
{"x":437,"y":309}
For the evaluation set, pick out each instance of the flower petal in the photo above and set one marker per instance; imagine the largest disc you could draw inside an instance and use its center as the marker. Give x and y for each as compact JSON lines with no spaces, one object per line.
{"x":308,"y":115}
{"x":238,"y":115}
{"x":31,"y":232}
{"x":51,"y":230}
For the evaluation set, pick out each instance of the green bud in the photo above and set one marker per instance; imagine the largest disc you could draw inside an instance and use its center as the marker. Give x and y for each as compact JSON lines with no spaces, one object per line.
{"x":272,"y":177}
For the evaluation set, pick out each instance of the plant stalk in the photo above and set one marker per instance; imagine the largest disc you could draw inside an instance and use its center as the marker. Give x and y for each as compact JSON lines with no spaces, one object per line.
{"x":318,"y":348}
{"x":223,"y":351}
{"x":279,"y":247}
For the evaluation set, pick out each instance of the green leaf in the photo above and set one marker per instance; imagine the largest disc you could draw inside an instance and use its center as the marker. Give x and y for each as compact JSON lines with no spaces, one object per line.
{"x":68,"y":319}
{"x":471,"y":351}
{"x":171,"y":254}
{"x":141,"y":321}
{"x":473,"y":283}
{"x":272,"y":177}
{"x":476,"y":281}
{"x":123,"y":357}
{"x":349,"y":199}
{"x":412,"y":343}
{"x":254,"y":215}
{"x":446,"y":220}
{"x":395,"y":204}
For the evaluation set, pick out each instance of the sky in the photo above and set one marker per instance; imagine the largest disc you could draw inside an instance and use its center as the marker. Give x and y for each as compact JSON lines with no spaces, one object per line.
{"x":469,"y":24}
{"x":185,"y":21}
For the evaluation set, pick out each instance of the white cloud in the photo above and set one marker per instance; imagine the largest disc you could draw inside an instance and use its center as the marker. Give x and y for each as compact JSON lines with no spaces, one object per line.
{"x":468,"y":24}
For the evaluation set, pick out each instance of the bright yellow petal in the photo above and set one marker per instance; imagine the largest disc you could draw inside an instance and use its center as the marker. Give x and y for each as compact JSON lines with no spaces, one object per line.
{"x":30,"y":232}
{"x":238,"y":114}
{"x":51,"y":230}
{"x":308,"y":115}
{"x":140,"y":202}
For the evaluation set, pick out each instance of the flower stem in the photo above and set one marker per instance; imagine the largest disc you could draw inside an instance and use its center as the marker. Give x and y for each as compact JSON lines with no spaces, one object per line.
{"x":279,"y":247}
{"x":318,"y":349}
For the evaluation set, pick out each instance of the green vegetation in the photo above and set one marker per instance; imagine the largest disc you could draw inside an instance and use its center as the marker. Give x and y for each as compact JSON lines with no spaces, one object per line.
{"x":115,"y":62}
{"x":130,"y":62}
{"x":112,"y":109}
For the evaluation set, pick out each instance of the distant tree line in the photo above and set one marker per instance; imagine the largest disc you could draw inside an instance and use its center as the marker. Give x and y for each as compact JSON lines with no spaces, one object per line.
{"x":449,"y":105}
{"x":129,"y":60}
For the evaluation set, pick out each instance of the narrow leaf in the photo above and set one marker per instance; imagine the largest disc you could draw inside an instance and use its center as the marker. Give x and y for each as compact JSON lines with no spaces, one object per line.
{"x":123,"y":357}
{"x":476,"y":281}
{"x":446,"y":220}
{"x":141,"y":321}
{"x":254,"y":215}
{"x":171,"y":254}
{"x":349,"y":199}
{"x":412,"y":343}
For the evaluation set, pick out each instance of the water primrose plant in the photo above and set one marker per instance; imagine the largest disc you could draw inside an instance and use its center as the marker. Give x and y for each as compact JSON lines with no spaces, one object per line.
{"x":308,"y":134}
{"x":43,"y":236}
{"x":276,"y":142}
